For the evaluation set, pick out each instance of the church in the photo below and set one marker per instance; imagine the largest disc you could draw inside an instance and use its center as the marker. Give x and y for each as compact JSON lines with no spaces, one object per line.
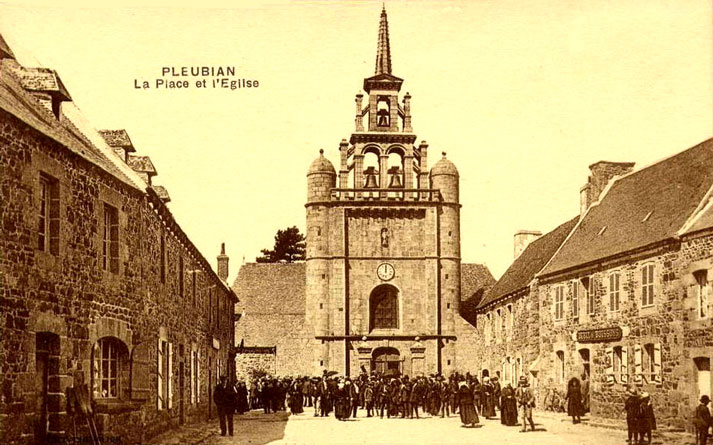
{"x":382,"y":283}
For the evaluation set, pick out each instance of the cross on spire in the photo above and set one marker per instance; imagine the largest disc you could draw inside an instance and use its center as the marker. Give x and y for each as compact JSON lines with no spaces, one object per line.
{"x":383,"y":50}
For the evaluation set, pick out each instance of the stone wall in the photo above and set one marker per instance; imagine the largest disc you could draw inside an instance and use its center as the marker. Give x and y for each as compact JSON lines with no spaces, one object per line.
{"x":668,"y":326}
{"x":72,"y":301}
{"x":507,"y":348}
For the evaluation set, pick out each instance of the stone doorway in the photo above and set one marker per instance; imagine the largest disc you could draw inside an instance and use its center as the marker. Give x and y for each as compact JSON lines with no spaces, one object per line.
{"x":386,"y":359}
{"x":47,"y":386}
{"x":703,"y":375}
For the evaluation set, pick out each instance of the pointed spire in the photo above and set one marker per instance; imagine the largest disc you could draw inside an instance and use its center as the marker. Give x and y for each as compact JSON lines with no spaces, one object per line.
{"x":383,"y":50}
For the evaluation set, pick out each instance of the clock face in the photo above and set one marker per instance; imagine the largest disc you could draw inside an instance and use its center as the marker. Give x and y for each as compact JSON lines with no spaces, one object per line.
{"x":385,"y":271}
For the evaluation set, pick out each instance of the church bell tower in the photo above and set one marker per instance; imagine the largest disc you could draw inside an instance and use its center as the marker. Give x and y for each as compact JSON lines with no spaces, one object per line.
{"x":383,"y":242}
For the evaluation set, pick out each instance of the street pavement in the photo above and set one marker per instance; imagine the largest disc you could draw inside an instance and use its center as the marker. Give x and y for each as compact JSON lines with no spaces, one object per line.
{"x":256,"y":428}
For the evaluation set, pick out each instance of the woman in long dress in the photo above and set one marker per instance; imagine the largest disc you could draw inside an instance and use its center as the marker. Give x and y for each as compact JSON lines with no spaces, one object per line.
{"x":574,"y":400}
{"x":341,"y":401}
{"x":488,"y":402}
{"x":508,"y":413}
{"x":468,"y":416}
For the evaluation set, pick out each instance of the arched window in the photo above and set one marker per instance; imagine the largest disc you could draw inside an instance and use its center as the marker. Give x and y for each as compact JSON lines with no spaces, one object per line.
{"x":383,"y":110}
{"x":384,"y":307}
{"x":109,"y":358}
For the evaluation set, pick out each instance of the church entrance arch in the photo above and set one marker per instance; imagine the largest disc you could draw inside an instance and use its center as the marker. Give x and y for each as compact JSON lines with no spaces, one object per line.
{"x":385,"y":359}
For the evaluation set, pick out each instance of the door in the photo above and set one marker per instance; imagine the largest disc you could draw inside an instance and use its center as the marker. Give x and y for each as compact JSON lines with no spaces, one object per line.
{"x":386,"y":359}
{"x":46,"y":369}
{"x":703,"y":375}
{"x":41,"y":378}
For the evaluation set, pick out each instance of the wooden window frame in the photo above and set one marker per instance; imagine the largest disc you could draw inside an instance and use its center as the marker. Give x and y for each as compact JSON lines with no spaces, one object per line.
{"x":614,"y":292}
{"x":648,"y":276}
{"x":110,"y":238}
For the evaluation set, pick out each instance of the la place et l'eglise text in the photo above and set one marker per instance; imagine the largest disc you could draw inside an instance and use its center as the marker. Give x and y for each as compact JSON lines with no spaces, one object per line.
{"x":204,"y":77}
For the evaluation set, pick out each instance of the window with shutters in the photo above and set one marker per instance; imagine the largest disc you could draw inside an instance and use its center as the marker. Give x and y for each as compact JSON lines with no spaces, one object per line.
{"x":165,"y":375}
{"x":614,"y":279}
{"x":648,"y":363}
{"x":576,"y":284}
{"x":588,"y":284}
{"x":647,"y":285}
{"x":109,"y":358}
{"x":110,"y":239}
{"x":559,"y":366}
{"x":616,"y":362}
{"x":702,"y":301}
{"x":48,"y":216}
{"x":559,"y":302}
{"x":141,"y":371}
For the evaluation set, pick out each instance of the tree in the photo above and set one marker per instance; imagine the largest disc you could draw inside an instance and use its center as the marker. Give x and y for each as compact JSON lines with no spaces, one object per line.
{"x":289,"y":247}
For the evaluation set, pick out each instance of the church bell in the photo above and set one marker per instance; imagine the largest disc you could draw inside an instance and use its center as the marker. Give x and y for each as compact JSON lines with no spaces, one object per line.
{"x":370,"y":182}
{"x":395,"y":180}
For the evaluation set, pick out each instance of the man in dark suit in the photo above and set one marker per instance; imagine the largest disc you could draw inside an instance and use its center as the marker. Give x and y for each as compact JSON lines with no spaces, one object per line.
{"x":702,"y":421}
{"x":224,"y":396}
{"x":325,"y":397}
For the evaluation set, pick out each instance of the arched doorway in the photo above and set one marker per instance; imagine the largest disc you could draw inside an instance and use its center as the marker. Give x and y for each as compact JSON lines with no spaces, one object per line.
{"x":385,"y":359}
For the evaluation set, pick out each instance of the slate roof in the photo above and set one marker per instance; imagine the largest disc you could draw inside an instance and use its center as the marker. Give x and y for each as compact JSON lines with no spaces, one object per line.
{"x":475,"y":281}
{"x":530,"y":261}
{"x":17,"y":101}
{"x":162,"y":193}
{"x":704,"y":221}
{"x":271,"y":288}
{"x":118,"y":138}
{"x":640,"y":209}
{"x":142,"y":164}
{"x":42,"y":79}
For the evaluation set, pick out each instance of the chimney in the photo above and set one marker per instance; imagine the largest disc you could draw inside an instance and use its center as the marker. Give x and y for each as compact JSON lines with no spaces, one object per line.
{"x":223,"y":263}
{"x":523,"y":238}
{"x":602,"y":173}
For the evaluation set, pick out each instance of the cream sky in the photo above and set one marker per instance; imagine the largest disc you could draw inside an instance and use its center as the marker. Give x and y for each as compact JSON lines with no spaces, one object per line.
{"x":523,"y":96}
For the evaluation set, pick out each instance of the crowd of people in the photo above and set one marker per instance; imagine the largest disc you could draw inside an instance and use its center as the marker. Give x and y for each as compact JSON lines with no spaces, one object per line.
{"x":380,"y":396}
{"x":393,"y":396}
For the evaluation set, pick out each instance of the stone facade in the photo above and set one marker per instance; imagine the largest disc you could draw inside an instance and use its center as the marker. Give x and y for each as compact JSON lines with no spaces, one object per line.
{"x":676,"y":335}
{"x":118,"y":279}
{"x":623,"y":295}
{"x":382,"y":281}
{"x":383,"y":245}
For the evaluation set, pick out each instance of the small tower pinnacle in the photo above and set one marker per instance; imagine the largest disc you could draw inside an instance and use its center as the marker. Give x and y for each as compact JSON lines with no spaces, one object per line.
{"x":383,"y":50}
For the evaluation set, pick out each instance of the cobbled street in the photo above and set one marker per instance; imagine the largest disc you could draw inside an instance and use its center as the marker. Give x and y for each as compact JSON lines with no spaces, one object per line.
{"x":258,"y":428}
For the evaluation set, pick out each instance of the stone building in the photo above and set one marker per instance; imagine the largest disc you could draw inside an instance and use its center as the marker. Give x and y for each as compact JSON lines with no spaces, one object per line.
{"x":97,"y":278}
{"x":625,"y":297}
{"x":383,"y":263}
